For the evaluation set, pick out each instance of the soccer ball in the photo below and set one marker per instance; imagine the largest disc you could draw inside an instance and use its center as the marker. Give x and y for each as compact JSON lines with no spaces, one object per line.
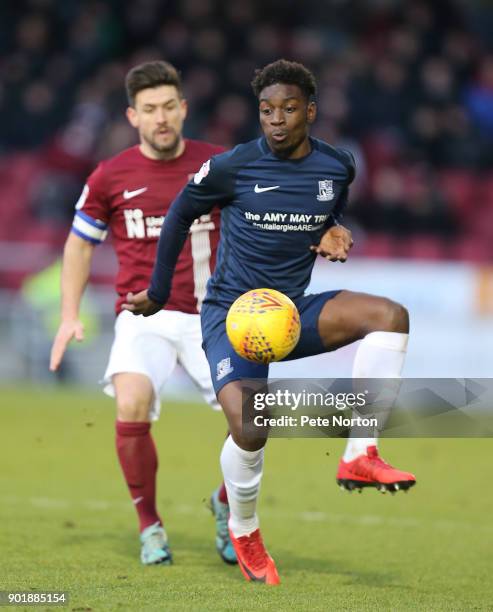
{"x":263,"y":325}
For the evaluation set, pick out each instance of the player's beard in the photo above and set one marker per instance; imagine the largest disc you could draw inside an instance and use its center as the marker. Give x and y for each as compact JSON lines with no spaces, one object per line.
{"x":165,"y":150}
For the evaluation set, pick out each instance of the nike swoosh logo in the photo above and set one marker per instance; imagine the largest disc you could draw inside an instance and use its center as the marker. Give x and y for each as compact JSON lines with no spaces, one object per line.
{"x":253,"y":578}
{"x":137,"y":500}
{"x":127,"y":195}
{"x":258,"y":189}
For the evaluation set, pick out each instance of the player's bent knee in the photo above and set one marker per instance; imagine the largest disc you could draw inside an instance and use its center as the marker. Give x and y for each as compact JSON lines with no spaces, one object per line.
{"x":390,"y":316}
{"x":230,"y":398}
{"x":133,"y":409}
{"x":245,"y":440}
{"x":249,"y":443}
{"x":401,"y":319}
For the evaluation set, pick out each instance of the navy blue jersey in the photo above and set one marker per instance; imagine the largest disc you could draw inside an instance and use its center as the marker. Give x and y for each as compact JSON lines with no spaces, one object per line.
{"x":273,"y":210}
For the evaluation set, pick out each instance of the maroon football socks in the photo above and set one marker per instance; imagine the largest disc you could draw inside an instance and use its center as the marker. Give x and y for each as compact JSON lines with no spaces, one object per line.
{"x":222,"y":494}
{"x":138,"y":459}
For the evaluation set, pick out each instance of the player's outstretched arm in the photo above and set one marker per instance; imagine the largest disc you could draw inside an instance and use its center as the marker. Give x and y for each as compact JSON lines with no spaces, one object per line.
{"x":77,"y":257}
{"x":335,"y":244}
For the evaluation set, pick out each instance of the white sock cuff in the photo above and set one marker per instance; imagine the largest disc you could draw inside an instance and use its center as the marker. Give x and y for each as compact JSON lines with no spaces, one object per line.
{"x":393,"y":341}
{"x":247,"y":457}
{"x":243,"y":527}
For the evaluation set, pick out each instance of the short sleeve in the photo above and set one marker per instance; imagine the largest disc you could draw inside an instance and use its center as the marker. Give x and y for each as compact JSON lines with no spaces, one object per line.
{"x":212,"y":185}
{"x":348,"y":160}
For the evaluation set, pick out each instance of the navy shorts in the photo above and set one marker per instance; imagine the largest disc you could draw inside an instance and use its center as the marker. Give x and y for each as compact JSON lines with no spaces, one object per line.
{"x":226,"y":365}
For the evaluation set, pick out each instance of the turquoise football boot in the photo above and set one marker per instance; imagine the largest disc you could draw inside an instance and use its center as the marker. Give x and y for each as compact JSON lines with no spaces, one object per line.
{"x":223,"y":541}
{"x":155,"y":549}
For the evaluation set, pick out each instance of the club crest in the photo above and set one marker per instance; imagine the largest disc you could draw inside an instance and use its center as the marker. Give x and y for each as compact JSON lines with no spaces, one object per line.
{"x":325,"y":191}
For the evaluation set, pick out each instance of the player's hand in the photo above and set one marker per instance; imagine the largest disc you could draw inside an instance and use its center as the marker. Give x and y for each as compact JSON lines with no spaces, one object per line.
{"x":141,"y":304}
{"x":335,"y":244}
{"x":65,"y":333}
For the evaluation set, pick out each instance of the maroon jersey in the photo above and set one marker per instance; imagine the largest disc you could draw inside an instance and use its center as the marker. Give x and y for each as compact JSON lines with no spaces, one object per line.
{"x":130,"y":195}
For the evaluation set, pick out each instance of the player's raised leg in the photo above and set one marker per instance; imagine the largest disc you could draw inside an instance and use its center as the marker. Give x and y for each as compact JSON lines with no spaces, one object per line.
{"x":138,"y":459}
{"x":242,"y":461}
{"x":383,"y":328}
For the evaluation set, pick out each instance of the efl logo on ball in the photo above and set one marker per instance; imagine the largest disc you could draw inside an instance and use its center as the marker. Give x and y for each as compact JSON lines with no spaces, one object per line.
{"x":263,"y":325}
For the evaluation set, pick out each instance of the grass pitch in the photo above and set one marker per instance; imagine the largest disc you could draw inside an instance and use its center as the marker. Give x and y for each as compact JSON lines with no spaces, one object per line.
{"x":66,"y":521}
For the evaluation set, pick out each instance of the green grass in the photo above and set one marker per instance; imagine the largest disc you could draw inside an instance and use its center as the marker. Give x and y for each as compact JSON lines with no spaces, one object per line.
{"x":66,"y":521}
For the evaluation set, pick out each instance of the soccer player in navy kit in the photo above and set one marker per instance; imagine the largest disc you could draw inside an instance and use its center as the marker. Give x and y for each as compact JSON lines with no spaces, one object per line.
{"x":282,"y":198}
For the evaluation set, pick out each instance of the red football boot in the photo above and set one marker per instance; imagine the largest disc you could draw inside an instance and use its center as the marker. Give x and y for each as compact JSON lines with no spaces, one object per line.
{"x":371,"y":471}
{"x":255,"y":562}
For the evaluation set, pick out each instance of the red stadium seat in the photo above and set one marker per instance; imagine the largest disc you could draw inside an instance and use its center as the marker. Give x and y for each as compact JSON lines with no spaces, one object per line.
{"x":472,"y":248}
{"x":423,"y":246}
{"x":485,"y":192}
{"x":379,"y":245}
{"x":481,"y":223}
{"x":381,"y":150}
{"x":19,"y":172}
{"x":460,"y":190}
{"x":45,"y":234}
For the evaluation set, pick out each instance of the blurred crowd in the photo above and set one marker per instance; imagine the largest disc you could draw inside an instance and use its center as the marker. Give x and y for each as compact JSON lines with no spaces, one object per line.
{"x":406,"y":85}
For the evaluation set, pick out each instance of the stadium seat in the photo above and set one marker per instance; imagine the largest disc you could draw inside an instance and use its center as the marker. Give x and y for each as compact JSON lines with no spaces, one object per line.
{"x":472,"y":248}
{"x":485,"y":191}
{"x":378,"y":245}
{"x":481,"y":223}
{"x":423,"y":246}
{"x":460,"y":190}
{"x":19,"y":170}
{"x":381,"y":150}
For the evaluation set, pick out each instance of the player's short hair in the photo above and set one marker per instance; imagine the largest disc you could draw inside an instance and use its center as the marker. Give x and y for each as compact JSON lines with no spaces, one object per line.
{"x":288,"y":73}
{"x":151,"y":74}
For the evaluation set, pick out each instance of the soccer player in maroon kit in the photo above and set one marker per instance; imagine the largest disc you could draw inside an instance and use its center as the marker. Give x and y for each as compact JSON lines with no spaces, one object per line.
{"x":129,"y":195}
